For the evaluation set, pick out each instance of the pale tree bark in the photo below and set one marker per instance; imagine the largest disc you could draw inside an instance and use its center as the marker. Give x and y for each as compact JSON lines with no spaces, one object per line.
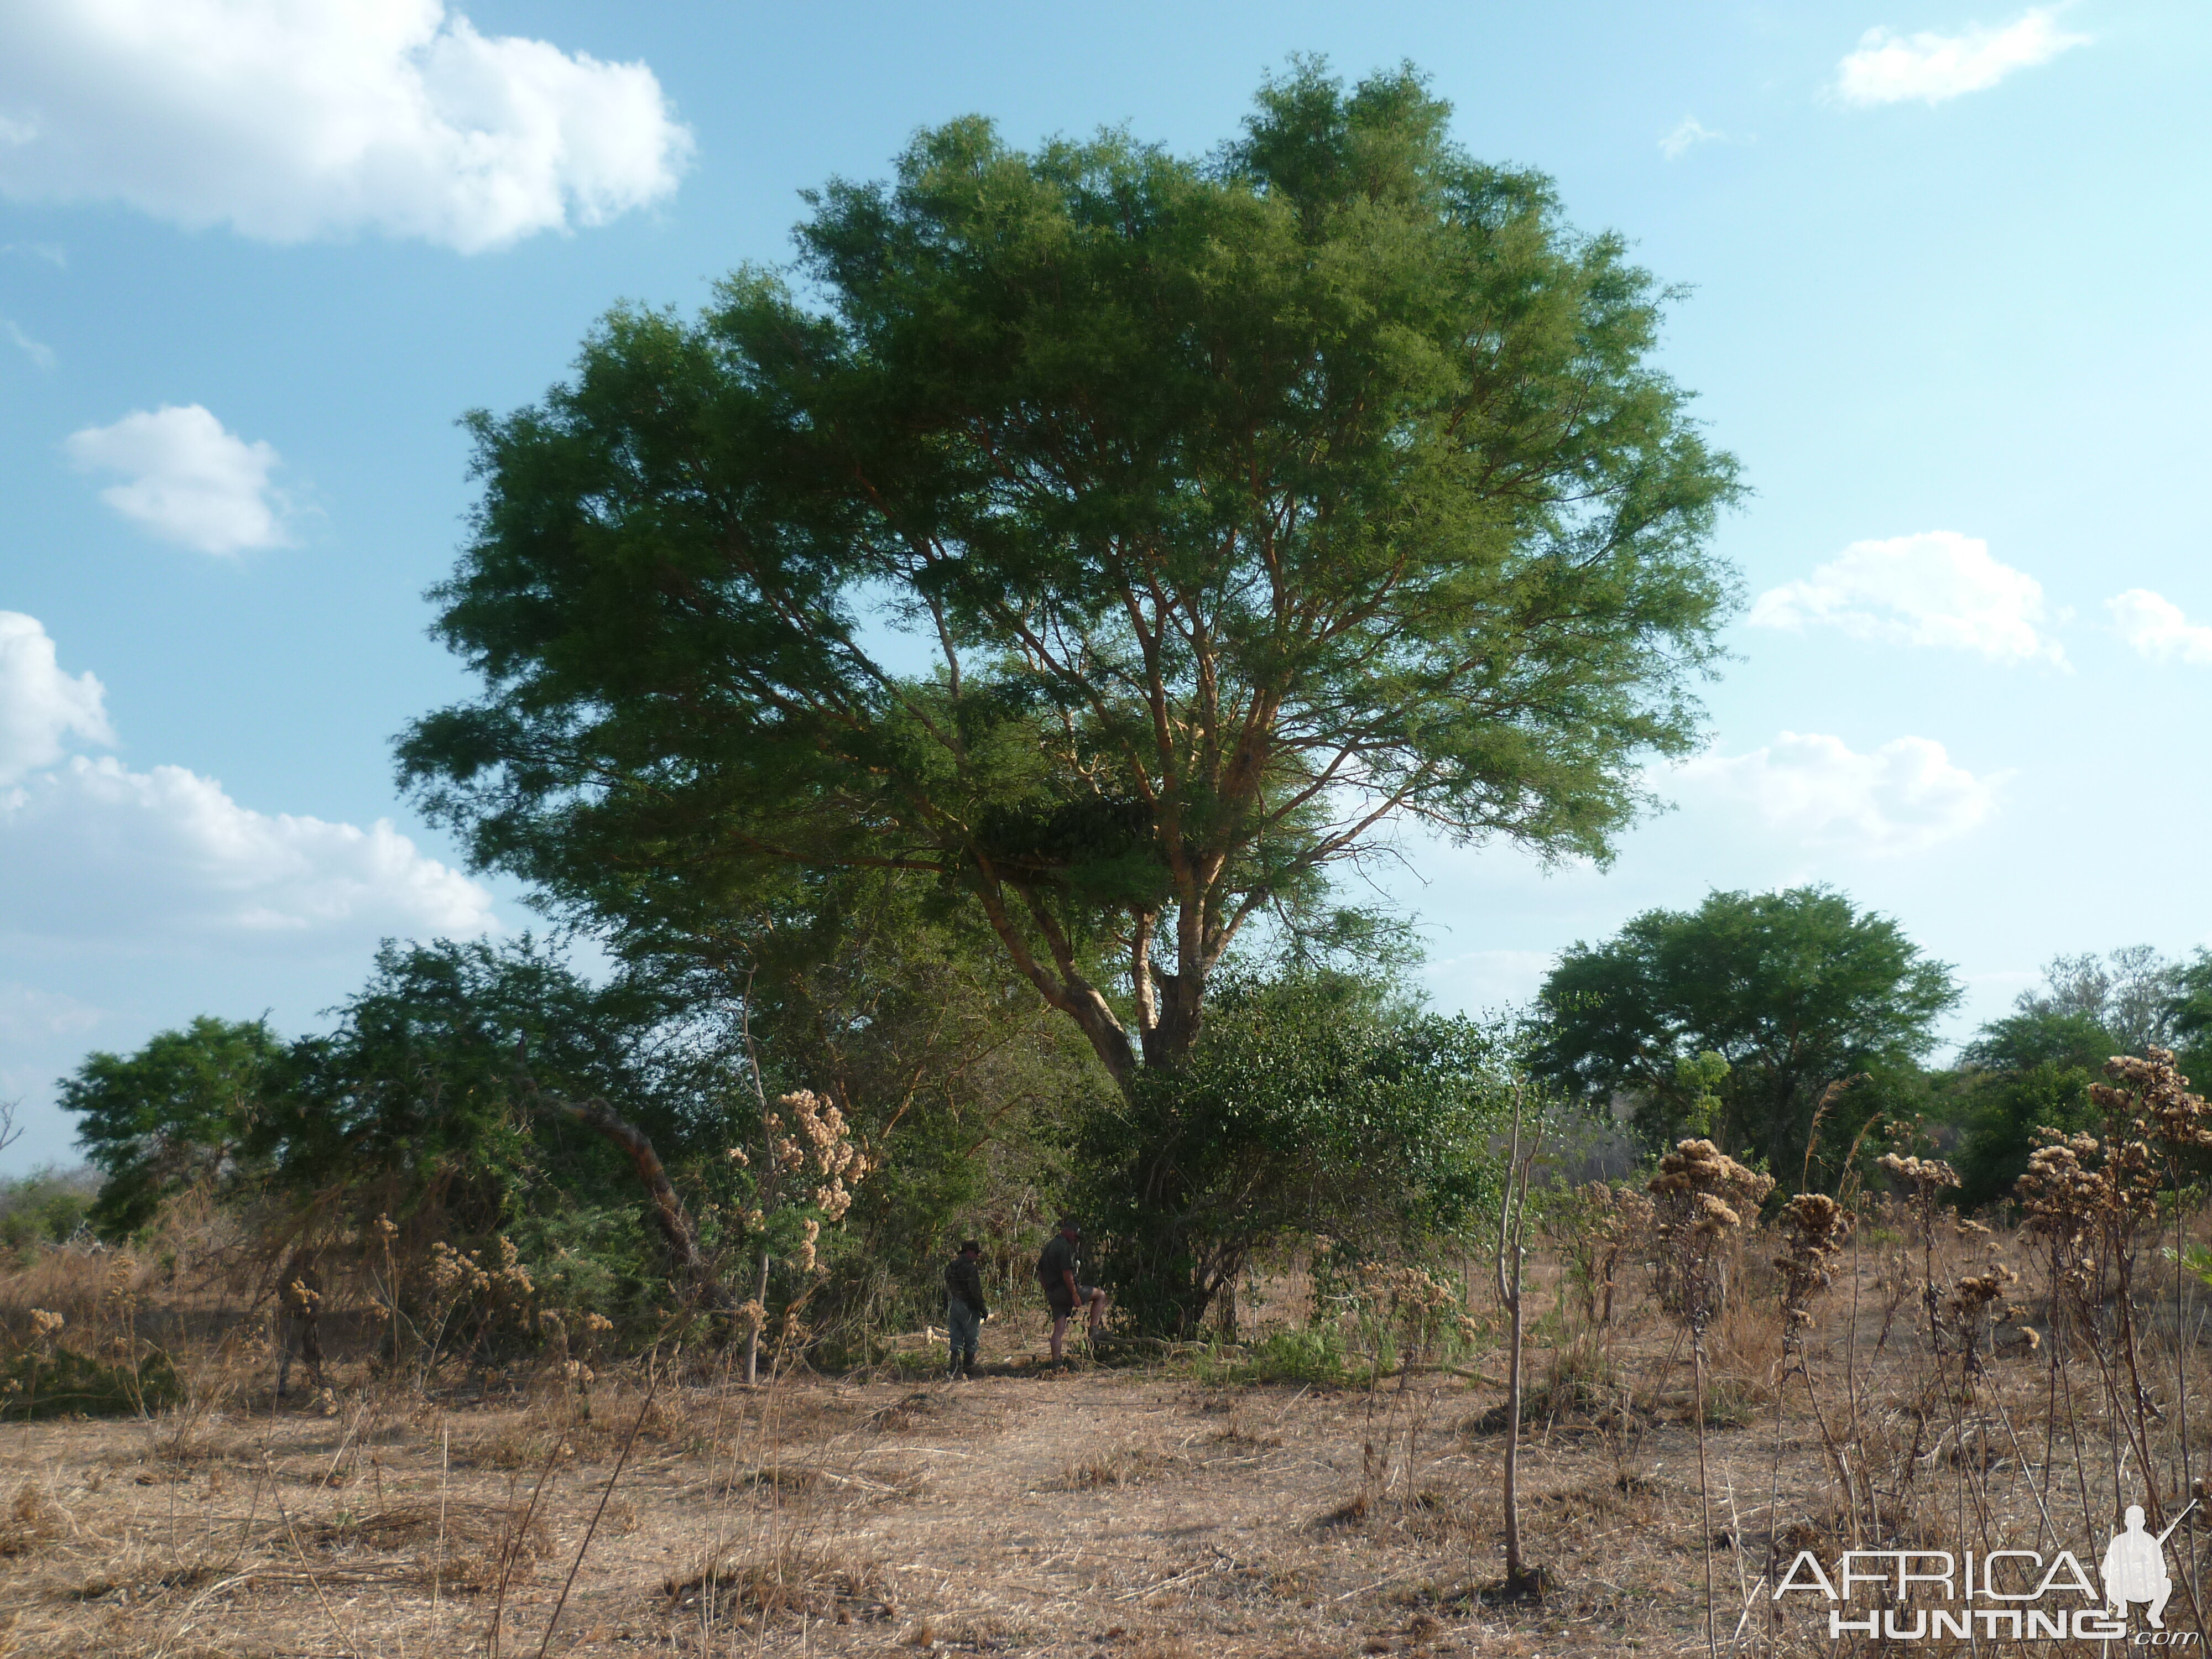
{"x":1511,"y":1254}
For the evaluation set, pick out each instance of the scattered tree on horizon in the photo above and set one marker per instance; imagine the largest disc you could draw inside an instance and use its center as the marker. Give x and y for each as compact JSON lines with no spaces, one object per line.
{"x":175,"y":1114}
{"x":2035,"y":1067}
{"x":1794,"y":991}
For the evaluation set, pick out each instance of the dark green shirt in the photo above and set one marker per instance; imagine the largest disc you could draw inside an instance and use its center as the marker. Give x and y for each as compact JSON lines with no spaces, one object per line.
{"x":1059,"y":1257}
{"x":963,"y":1282}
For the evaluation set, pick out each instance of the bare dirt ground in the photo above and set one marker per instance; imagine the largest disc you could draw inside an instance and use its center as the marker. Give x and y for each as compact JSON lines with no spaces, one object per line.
{"x":1118,"y":1513}
{"x":1108,"y":1512}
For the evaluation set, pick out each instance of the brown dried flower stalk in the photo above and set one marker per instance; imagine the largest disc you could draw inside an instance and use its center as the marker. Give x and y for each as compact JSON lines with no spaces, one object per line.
{"x":1699,"y":1198}
{"x":1597,"y":1227}
{"x":1814,"y":1229}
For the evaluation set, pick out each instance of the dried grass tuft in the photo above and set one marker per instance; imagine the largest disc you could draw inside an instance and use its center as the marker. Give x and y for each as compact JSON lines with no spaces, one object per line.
{"x":1123,"y":1466}
{"x":904,"y":1416}
{"x":34,"y":1521}
{"x":805,"y":1577}
{"x":460,"y":1546}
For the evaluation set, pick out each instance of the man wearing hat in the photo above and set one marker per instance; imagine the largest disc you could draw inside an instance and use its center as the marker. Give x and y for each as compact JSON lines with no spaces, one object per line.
{"x":964,"y":1312}
{"x":1062,"y":1294}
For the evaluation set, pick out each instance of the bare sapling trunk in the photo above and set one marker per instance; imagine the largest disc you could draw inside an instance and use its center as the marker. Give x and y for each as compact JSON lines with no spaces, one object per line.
{"x":1704,"y":1482}
{"x":753,"y":1326}
{"x":757,"y":1314}
{"x":1512,"y":1236}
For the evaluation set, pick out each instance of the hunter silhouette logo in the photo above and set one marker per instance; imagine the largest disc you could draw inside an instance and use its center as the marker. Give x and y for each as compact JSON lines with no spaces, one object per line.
{"x":2135,"y":1568}
{"x":2015,"y":1593}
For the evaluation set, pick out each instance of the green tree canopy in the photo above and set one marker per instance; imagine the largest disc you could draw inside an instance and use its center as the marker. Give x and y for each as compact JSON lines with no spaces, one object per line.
{"x":2032,"y":1069}
{"x":2029,"y":1071}
{"x":2189,"y":1013}
{"x":1117,"y":538}
{"x":2136,"y":995}
{"x":419,"y":1103}
{"x":176,"y":1113}
{"x":1795,"y":990}
{"x":415,"y":1105}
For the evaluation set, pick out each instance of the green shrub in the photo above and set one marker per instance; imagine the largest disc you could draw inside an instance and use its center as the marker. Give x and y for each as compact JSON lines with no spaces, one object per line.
{"x":43,"y":1208}
{"x":65,"y":1383}
{"x":1317,"y":1357}
{"x":1316,"y":1104}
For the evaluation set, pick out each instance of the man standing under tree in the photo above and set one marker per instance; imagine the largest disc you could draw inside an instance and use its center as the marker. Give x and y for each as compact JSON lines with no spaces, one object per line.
{"x":1056,"y":1273}
{"x":964,"y":1312}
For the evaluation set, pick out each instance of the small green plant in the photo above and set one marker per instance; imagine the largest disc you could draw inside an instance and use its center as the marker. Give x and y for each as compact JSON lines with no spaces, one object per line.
{"x":63,"y":1383}
{"x":1318,"y":1357}
{"x":1695,"y":1081}
{"x":910,"y":1363}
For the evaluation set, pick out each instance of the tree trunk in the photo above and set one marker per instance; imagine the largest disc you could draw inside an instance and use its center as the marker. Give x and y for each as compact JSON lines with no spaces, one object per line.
{"x":1515,"y":1570}
{"x":1180,"y":1010}
{"x":1704,"y":1486}
{"x":1109,"y":1038}
{"x":693,"y":1271}
{"x":1512,"y":1236}
{"x":753,"y":1336}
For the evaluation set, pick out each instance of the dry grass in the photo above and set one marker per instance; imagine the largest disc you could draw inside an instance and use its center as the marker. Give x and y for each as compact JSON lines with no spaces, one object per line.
{"x":806,"y":1579}
{"x":1123,"y":1466}
{"x":1135,"y":1515}
{"x":34,"y":1522}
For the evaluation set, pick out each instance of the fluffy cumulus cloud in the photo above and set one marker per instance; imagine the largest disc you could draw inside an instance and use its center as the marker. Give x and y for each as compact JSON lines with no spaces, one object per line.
{"x":289,"y":122}
{"x":1937,"y":588}
{"x":96,"y":851}
{"x":1904,"y":797}
{"x":186,"y":479}
{"x":2158,"y":628}
{"x":41,"y":708}
{"x":1892,"y":69}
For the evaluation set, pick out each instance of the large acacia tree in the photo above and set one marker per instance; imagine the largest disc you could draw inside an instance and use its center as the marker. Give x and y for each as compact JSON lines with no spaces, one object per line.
{"x":1120,"y":539}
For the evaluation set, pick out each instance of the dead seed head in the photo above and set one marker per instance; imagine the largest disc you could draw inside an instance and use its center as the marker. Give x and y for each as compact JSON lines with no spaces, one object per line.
{"x":1923,"y":1177}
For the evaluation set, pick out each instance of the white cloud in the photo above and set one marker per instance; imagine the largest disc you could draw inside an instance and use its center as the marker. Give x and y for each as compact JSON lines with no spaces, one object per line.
{"x":29,"y":1015}
{"x":39,"y":705}
{"x":1690,"y":133}
{"x":96,"y":851}
{"x":186,"y":479}
{"x":1906,"y":797}
{"x":2156,"y":627}
{"x":1889,"y":68}
{"x":291,"y":121}
{"x":52,"y":253}
{"x":1937,"y":588}
{"x":40,"y":354}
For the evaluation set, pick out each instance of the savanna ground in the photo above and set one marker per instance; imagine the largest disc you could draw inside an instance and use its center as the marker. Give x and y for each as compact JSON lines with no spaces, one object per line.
{"x":1179,"y":1507}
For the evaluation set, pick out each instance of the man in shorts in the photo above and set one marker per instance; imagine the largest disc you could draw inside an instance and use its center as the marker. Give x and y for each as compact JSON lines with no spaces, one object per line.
{"x":1063,"y":1292}
{"x":964,"y":1312}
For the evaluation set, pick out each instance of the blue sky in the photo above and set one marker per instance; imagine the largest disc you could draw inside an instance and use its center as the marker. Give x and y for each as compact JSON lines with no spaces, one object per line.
{"x":1947,"y":270}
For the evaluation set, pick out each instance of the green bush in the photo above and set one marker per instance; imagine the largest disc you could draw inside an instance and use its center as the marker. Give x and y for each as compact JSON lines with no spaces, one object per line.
{"x":1318,"y":1103}
{"x":1317,"y":1357}
{"x":43,"y":1208}
{"x":66,"y":1383}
